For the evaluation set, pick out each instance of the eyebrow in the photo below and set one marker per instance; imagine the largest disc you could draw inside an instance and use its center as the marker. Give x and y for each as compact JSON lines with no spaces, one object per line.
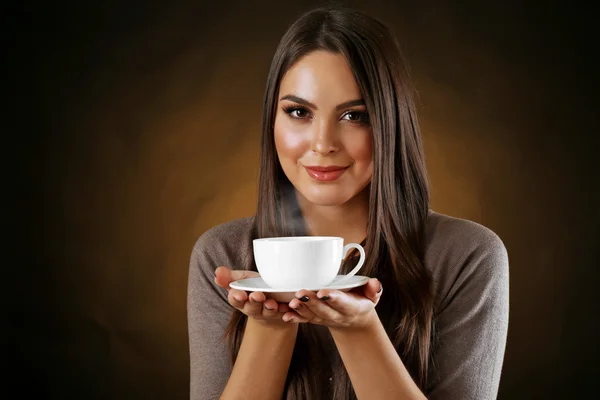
{"x":300,"y":100}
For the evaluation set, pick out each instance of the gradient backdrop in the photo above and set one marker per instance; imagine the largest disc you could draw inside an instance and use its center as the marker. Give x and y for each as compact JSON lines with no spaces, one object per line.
{"x":138,"y":129}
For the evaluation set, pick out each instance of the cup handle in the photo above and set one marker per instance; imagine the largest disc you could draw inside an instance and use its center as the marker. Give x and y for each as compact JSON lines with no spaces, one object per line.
{"x":360,"y":262}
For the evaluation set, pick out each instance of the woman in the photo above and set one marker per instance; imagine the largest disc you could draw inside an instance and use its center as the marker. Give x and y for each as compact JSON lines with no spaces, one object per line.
{"x":342,"y":156}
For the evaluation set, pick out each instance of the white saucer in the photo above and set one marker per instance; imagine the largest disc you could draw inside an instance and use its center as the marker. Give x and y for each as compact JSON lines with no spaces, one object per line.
{"x":286,"y":295}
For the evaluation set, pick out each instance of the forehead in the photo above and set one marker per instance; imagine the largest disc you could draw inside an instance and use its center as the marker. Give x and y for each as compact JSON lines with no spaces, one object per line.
{"x":321,"y":77}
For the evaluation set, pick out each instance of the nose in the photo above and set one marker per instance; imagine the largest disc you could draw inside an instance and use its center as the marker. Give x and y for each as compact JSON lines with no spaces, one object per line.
{"x":324,"y":138}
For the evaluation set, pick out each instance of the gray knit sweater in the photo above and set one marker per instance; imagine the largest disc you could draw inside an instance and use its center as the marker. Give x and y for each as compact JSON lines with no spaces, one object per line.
{"x":469,"y":266}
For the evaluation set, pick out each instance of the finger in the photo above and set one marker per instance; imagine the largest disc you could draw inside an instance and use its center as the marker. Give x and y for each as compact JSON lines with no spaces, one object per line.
{"x":224,"y":276}
{"x":271,"y":305}
{"x":236,"y":275}
{"x":298,"y":307}
{"x":252,"y":307}
{"x":346,"y":304}
{"x":257,"y":297}
{"x":372,"y":290}
{"x":283,"y":308}
{"x":314,"y":308}
{"x":293,"y":317}
{"x":271,"y":310}
{"x":237,"y":298}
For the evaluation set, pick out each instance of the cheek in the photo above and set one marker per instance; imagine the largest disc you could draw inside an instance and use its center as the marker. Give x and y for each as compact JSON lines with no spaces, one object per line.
{"x":290,"y":141}
{"x":360,"y":149}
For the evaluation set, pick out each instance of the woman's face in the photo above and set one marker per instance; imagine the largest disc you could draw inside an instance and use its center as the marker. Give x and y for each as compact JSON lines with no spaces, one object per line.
{"x":322,"y":132}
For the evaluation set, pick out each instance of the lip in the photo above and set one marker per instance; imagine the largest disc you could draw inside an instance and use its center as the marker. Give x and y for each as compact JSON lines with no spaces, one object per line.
{"x":328,"y":173}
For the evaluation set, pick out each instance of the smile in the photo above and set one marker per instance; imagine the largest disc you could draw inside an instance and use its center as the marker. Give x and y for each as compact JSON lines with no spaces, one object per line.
{"x":325,"y":174}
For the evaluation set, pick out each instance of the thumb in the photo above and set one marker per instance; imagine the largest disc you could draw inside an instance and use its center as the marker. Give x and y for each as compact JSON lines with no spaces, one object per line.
{"x":224,"y":276}
{"x":373,"y":290}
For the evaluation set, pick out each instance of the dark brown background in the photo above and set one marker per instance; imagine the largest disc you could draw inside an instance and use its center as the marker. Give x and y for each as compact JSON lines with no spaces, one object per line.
{"x":137,"y":128}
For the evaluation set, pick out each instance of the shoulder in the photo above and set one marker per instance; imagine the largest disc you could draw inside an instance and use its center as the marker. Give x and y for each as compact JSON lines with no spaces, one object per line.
{"x":226,"y":232}
{"x":460,"y":253}
{"x":226,"y":243}
{"x":460,"y":236}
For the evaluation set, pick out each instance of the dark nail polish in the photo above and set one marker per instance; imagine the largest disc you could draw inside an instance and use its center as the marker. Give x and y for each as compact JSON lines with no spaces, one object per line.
{"x":325,"y":298}
{"x":304,"y":299}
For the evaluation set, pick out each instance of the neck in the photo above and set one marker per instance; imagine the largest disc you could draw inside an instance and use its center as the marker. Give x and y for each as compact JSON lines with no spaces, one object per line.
{"x":348,"y":220}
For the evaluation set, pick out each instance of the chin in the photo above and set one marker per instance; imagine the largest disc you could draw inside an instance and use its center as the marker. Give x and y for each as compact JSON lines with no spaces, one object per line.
{"x":326,"y":197}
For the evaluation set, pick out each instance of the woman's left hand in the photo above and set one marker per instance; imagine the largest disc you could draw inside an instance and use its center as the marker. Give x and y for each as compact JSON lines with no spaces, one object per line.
{"x":336,"y":309}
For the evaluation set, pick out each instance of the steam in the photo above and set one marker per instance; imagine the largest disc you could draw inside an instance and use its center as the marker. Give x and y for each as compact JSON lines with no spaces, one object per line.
{"x":293,"y":220}
{"x":295,"y":225}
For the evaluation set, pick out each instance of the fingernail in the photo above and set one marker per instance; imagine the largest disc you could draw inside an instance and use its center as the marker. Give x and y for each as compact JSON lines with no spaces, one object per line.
{"x":304,"y":299}
{"x":380,"y":288}
{"x":325,"y":298}
{"x":299,"y":306}
{"x":267,"y":308}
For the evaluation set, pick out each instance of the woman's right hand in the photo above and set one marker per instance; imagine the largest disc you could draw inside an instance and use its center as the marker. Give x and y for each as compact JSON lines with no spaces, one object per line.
{"x":254,"y":305}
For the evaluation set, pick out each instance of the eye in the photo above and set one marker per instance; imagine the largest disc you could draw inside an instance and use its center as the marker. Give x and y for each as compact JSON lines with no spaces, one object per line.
{"x":296,"y":112}
{"x":356,"y":116}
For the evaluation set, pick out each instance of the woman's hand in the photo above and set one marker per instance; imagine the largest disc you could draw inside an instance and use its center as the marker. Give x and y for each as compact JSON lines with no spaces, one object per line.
{"x":254,"y":305}
{"x":337,"y":309}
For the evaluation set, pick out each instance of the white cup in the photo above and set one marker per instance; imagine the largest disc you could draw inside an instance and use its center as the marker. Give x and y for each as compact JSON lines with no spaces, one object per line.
{"x":308,"y":262}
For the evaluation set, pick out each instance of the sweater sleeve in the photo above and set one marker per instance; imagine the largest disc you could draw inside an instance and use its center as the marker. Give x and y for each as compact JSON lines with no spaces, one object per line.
{"x":208,"y":315}
{"x":472,"y":325}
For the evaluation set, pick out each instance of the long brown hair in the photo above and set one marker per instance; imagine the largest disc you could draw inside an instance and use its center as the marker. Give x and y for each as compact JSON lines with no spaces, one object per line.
{"x":399,"y":196}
